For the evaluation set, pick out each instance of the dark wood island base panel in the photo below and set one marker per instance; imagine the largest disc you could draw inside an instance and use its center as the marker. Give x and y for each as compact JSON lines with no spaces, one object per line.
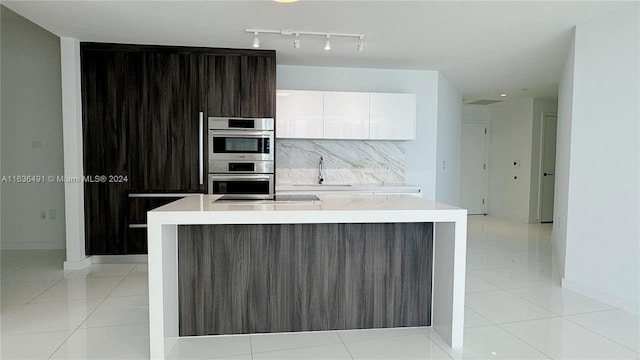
{"x":240,"y":279}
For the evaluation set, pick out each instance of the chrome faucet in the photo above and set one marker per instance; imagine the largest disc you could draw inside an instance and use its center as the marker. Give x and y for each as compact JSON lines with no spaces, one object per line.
{"x":320,"y":167}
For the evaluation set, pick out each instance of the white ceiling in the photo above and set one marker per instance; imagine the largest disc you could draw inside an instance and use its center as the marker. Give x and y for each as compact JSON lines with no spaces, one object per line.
{"x":483,"y":47}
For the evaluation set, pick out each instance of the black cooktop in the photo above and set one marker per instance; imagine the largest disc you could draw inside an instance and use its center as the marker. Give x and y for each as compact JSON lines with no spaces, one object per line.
{"x":276,"y":199}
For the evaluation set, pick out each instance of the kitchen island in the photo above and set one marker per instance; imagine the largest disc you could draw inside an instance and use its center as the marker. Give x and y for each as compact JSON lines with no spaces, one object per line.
{"x":187,"y":225}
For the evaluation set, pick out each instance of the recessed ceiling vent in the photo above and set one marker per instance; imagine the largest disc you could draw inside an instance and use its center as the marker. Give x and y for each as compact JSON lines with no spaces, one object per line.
{"x":484,"y":102}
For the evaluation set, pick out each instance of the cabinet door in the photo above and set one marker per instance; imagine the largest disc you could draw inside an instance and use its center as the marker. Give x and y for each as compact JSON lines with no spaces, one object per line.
{"x":346,"y":115}
{"x":299,"y":114}
{"x":258,"y":86}
{"x":108,"y":104}
{"x":223,"y":85}
{"x":165,"y":151}
{"x":392,"y":116}
{"x":136,"y":239}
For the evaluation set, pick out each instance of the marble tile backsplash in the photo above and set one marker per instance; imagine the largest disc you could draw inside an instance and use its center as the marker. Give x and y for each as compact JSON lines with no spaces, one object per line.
{"x":345,"y":161}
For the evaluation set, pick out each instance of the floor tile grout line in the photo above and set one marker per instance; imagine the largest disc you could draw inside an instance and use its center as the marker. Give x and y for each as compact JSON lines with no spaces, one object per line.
{"x":42,"y":292}
{"x":112,"y":326}
{"x":61,"y":344}
{"x":438,"y":345}
{"x":18,"y":309}
{"x":484,"y":317}
{"x":525,"y":341}
{"x":36,"y":333}
{"x":79,"y":299}
{"x":345,"y":345}
{"x":555,"y":316}
{"x":384,"y":337}
{"x":551,"y":311}
{"x":96,"y":308}
{"x":251,"y":345}
{"x":295,"y":348}
{"x":531,"y":302}
{"x":604,"y":336}
{"x":88,"y":316}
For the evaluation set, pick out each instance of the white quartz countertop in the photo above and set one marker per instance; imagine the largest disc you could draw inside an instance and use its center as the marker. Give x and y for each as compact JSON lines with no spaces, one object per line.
{"x":389,"y":188}
{"x":330,"y":208}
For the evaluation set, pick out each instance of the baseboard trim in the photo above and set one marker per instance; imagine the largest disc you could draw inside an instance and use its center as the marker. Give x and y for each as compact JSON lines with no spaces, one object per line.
{"x":628,"y":306}
{"x":119,"y":259}
{"x":77,"y":264}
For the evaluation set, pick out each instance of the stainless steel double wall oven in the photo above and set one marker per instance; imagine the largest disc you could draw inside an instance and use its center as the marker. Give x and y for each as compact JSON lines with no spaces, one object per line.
{"x":241,"y":157}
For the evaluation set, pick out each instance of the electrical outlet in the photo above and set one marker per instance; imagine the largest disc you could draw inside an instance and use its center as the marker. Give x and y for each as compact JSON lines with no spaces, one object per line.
{"x":52,"y":214}
{"x":43,"y":215}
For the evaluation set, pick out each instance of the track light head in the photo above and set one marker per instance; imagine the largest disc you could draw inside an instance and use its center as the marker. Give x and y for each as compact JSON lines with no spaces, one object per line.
{"x":256,"y":40}
{"x":296,"y":41}
{"x":327,"y":43}
{"x":361,"y":44}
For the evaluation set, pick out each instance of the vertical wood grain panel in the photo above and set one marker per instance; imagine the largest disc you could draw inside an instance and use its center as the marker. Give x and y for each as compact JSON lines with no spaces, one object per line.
{"x":164,"y":151}
{"x":258,"y":84}
{"x":223,"y":85}
{"x":301,"y":277}
{"x":106,"y":112}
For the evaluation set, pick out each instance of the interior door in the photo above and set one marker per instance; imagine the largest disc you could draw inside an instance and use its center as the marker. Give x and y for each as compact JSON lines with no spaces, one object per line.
{"x":549,"y":128}
{"x":473,"y":169}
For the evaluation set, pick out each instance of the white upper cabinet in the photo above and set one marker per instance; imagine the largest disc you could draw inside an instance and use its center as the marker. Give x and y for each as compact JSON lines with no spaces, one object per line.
{"x":346,"y":115}
{"x":392,"y":116}
{"x":299,"y":114}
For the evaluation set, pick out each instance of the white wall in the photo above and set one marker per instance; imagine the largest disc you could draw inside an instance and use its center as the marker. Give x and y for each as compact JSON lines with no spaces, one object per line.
{"x":510,"y":140}
{"x":563,"y":152}
{"x":603,"y":203}
{"x":540,"y":108}
{"x":31,"y":134}
{"x":73,"y":159}
{"x":448,"y":143}
{"x":420,"y":156}
{"x":476,"y":113}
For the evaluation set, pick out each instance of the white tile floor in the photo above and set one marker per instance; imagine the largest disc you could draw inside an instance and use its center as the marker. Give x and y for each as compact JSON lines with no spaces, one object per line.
{"x":514,"y":310}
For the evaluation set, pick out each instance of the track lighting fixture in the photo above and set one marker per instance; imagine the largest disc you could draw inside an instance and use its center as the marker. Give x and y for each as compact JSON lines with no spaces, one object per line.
{"x":361,"y":44}
{"x":297,"y":34}
{"x":327,"y":43}
{"x":296,"y":42}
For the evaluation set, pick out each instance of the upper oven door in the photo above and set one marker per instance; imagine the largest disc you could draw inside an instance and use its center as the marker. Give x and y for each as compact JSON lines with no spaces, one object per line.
{"x":241,"y":145}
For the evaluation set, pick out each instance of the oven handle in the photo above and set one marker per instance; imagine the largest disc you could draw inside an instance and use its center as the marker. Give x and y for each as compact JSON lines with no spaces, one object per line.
{"x":240,"y":133}
{"x":201,"y":148}
{"x":215,"y":177}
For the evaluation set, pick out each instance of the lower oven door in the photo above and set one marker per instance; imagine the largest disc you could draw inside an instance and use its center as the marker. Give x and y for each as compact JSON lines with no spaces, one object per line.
{"x":242,"y":186}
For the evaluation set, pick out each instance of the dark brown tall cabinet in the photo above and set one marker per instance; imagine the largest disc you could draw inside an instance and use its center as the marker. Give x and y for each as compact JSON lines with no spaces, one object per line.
{"x":141,"y":114}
